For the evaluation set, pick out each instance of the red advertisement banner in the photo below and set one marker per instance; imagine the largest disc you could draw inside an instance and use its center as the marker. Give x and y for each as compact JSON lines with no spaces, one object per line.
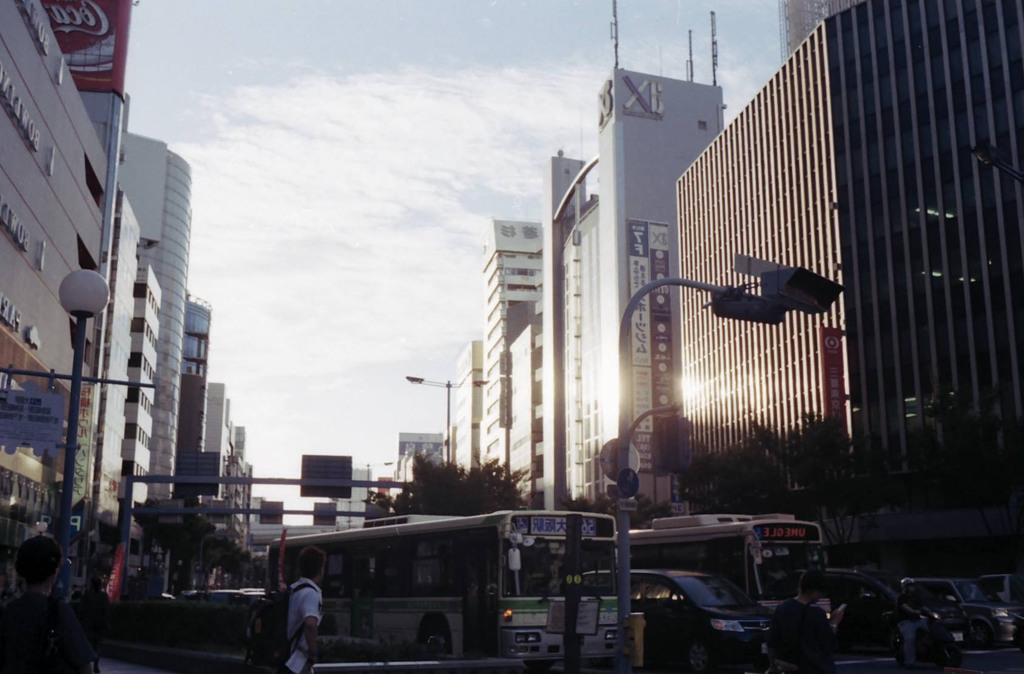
{"x":114,"y":584}
{"x":833,"y":373}
{"x":93,"y":35}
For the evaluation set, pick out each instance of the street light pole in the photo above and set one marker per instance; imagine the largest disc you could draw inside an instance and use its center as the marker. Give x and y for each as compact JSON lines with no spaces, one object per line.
{"x":990,"y":156}
{"x":83,"y":294}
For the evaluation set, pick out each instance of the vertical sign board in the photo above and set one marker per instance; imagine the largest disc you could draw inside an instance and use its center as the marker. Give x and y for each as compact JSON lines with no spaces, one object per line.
{"x":84,"y":441}
{"x":651,"y":344}
{"x":833,"y":373}
{"x":93,"y":35}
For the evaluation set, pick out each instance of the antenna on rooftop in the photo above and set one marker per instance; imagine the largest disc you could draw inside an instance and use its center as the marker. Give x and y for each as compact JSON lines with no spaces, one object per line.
{"x":615,"y":31}
{"x":689,"y":63}
{"x":714,"y":52}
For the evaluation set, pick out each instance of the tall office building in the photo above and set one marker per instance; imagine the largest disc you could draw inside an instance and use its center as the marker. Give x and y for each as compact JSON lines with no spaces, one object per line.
{"x":526,"y":427}
{"x":468,"y":411}
{"x":856,"y":162}
{"x":120,"y":361}
{"x":512,"y":273}
{"x":599,"y":250}
{"x":195,"y":354}
{"x":799,"y":18}
{"x":159,"y":185}
{"x":138,"y":429}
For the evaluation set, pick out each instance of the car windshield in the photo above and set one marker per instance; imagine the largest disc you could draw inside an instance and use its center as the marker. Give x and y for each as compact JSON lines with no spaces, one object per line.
{"x":782,"y":562}
{"x":971,"y":591}
{"x":713,"y":591}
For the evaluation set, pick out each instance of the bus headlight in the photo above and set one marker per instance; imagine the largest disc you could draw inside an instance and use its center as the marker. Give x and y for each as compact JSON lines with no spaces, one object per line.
{"x":610,"y":635}
{"x":726,"y":625}
{"x":507,"y":615}
{"x":527,"y":637}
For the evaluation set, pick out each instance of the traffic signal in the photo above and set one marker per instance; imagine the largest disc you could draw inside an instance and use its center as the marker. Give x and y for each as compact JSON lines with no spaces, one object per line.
{"x":671,"y":446}
{"x":739,"y":304}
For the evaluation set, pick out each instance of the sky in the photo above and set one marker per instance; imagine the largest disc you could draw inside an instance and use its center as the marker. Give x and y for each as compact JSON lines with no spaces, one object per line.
{"x":347,"y":158}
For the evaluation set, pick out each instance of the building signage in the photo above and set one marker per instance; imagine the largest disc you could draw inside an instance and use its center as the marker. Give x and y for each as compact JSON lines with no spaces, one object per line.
{"x":36,"y":20}
{"x":833,"y":373}
{"x":651,"y":345}
{"x":31,"y":418}
{"x":14,"y":103}
{"x":9,"y":314}
{"x":645,"y":99}
{"x":11,"y":223}
{"x":93,"y":34}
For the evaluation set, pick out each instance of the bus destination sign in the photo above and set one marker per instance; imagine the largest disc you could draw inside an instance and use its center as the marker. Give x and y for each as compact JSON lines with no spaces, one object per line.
{"x":786,"y":532}
{"x":550,"y":526}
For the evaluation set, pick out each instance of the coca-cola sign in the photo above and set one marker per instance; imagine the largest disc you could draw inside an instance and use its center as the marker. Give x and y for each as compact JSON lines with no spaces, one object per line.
{"x":93,"y":34}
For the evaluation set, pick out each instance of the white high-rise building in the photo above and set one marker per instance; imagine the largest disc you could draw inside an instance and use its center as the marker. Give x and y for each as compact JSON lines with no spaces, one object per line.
{"x":599,"y":249}
{"x":159,"y":185}
{"x":513,"y":269}
{"x":468,"y":405}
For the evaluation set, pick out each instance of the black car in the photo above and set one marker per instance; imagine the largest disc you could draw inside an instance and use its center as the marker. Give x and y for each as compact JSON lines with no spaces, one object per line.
{"x":698,"y":620}
{"x":870,"y":598}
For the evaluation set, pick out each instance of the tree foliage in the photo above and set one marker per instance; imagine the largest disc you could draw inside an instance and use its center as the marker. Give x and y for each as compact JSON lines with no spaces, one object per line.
{"x":450,"y":489}
{"x":184,"y":539}
{"x":646,"y":510}
{"x":745,"y":478}
{"x":837,"y":480}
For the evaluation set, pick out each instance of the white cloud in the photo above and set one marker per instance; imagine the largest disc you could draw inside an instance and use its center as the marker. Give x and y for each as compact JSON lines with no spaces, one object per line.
{"x":338,"y":224}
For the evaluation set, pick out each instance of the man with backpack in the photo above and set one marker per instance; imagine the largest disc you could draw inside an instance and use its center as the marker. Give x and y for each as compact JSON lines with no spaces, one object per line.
{"x":801,"y":637}
{"x":39,"y":633}
{"x":305,"y":609}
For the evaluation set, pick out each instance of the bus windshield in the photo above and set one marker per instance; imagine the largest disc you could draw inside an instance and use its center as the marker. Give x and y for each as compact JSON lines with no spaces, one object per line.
{"x":781,"y":563}
{"x":543,"y":560}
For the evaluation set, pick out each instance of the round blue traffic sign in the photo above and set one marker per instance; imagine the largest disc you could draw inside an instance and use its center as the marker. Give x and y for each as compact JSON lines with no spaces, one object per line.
{"x":628,"y":483}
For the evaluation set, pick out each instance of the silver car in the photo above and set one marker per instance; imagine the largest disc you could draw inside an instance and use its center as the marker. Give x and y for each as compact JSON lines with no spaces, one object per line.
{"x":989,"y":619}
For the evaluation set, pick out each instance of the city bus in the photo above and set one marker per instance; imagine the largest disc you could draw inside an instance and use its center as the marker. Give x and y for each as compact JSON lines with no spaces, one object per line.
{"x":763,"y":554}
{"x":478,"y":586}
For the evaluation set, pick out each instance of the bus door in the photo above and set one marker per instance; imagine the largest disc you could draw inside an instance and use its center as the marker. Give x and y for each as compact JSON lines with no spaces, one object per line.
{"x":363,"y":576}
{"x":479,"y":596}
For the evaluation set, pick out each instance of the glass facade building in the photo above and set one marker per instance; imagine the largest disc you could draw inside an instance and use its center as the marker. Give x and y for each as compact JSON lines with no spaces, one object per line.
{"x":856,"y":162}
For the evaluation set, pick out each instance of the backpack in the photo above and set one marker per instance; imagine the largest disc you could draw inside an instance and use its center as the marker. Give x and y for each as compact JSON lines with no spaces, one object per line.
{"x":267,"y":629}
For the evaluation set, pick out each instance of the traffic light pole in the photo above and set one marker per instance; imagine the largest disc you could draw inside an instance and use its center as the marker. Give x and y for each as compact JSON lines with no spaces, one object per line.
{"x":626,"y":427}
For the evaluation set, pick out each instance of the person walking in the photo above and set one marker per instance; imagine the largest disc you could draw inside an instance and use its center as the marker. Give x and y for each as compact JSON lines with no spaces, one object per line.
{"x":802,"y":637}
{"x":38,"y":632}
{"x":94,"y":611}
{"x":305,"y":609}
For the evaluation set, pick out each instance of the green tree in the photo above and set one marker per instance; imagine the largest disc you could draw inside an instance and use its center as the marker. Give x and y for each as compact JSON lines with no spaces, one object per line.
{"x":646,"y":509}
{"x":450,"y":489}
{"x":747,"y":478}
{"x":837,"y":481}
{"x":972,"y":458}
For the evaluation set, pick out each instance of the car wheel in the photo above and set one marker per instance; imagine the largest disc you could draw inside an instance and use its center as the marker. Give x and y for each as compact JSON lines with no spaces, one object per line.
{"x":698,"y":656}
{"x":952,"y":656}
{"x":980,"y":634}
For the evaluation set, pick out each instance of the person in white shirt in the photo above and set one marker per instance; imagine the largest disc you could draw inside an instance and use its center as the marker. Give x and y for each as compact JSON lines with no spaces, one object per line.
{"x":305,"y":609}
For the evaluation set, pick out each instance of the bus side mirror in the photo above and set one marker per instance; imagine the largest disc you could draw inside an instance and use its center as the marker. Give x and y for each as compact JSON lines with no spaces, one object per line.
{"x":515,"y":562}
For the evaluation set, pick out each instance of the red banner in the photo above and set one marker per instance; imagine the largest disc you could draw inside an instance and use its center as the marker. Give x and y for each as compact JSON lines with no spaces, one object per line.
{"x":93,"y":34}
{"x":114,"y":584}
{"x":833,"y":372}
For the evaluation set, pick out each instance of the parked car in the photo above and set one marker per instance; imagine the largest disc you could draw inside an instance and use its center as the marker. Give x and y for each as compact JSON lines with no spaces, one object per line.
{"x":988,"y":618}
{"x":698,"y":620}
{"x":870,"y":598}
{"x":1009,"y":587}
